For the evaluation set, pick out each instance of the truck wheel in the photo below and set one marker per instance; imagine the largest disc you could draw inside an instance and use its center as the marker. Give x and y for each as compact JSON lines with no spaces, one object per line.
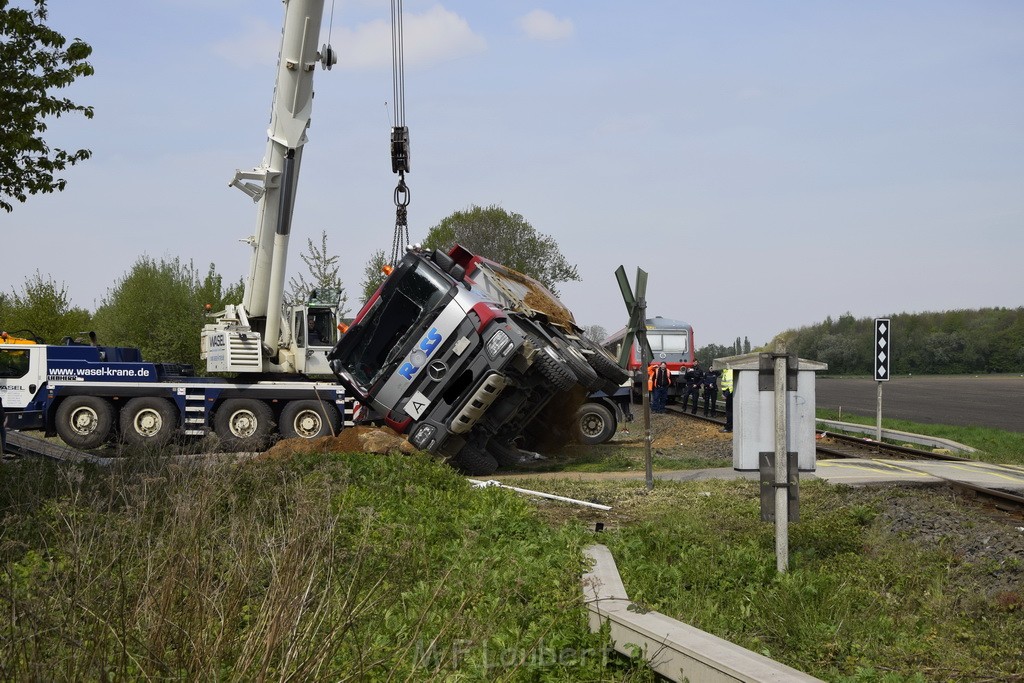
{"x":606,"y":366}
{"x":474,"y":461}
{"x":148,"y":421}
{"x":84,"y":421}
{"x":585,"y":374}
{"x":308,"y":420}
{"x":243,"y":424}
{"x":594,"y":424}
{"x":553,"y":367}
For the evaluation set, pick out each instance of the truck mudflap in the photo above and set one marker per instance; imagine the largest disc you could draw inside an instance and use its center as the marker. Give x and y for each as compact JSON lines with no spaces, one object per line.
{"x":478,"y":403}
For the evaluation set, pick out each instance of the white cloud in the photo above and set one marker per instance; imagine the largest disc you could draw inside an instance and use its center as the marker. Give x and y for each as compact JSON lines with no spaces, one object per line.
{"x":437,"y":35}
{"x":257,"y":45}
{"x":542,"y":25}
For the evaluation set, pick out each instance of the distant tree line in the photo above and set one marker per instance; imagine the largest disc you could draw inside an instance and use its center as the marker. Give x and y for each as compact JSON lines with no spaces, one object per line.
{"x":945,"y":343}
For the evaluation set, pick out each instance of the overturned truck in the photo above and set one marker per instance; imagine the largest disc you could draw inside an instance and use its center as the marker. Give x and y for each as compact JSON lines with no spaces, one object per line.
{"x":463,"y":355}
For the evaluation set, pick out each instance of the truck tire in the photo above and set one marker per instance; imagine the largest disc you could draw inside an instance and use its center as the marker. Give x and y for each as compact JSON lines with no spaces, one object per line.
{"x":505,"y":453}
{"x":550,"y":364}
{"x":85,"y":421}
{"x":605,"y":366}
{"x":474,"y":461}
{"x":308,"y":420}
{"x":594,"y":424}
{"x":148,"y":421}
{"x":585,"y":374}
{"x":244,"y":424}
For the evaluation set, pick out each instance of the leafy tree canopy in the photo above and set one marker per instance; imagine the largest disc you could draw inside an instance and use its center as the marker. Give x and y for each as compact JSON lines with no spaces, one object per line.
{"x":948,"y":342}
{"x":33,"y":63}
{"x":497,"y":234}
{"x":373,"y":274}
{"x":42,"y":310}
{"x":158,"y":306}
{"x":323,"y":275}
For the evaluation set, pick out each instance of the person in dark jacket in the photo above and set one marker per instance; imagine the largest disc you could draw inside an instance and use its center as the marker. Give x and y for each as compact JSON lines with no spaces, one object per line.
{"x":694,"y":377}
{"x":710,"y":392}
{"x":660,"y":380}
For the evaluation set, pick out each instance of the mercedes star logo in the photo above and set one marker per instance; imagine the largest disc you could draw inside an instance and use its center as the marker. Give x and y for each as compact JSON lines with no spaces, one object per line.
{"x":437,"y":369}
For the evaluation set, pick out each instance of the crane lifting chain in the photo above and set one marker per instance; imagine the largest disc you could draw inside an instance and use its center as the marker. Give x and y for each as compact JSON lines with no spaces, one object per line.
{"x":399,"y":136}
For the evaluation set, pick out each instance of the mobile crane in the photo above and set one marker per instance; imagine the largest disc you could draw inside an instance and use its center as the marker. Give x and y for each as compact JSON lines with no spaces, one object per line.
{"x":256,"y":337}
{"x":88,"y":394}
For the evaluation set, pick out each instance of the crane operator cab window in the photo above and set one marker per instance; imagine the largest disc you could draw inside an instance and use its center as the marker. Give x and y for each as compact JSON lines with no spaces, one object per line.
{"x":318,"y":330}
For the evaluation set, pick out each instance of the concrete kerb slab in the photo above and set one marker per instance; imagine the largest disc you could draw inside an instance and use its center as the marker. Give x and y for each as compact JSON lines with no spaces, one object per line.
{"x":673,"y":649}
{"x":896,"y":435}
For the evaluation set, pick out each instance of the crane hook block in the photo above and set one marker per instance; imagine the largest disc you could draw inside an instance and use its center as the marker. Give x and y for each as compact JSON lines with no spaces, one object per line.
{"x":400,"y":149}
{"x":328,"y":57}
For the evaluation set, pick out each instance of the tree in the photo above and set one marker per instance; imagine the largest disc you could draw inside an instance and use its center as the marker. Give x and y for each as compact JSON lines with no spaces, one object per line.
{"x":373,"y":274}
{"x":158,"y":307}
{"x":595,"y":333}
{"x":42,"y":309}
{"x":34,"y":62}
{"x":323,"y":271}
{"x":494,"y":233}
{"x":707,"y":354}
{"x":746,"y":345}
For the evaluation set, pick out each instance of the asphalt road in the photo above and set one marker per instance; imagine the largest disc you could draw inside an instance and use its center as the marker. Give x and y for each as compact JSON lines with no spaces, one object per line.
{"x":964,"y":400}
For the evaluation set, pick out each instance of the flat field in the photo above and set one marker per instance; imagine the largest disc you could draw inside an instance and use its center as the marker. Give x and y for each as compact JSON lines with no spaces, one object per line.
{"x":995,"y":401}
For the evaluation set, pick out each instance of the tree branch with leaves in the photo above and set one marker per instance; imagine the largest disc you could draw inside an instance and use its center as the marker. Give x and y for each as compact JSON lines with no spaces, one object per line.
{"x":33,"y":63}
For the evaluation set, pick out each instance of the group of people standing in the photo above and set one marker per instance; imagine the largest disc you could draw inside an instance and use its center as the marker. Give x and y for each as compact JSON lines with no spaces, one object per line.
{"x":696,"y":381}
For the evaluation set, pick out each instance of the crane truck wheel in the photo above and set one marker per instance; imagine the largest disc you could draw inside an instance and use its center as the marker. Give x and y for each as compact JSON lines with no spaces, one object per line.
{"x":84,"y":421}
{"x":594,"y":424}
{"x":308,"y":420}
{"x":148,"y":421}
{"x":244,"y":424}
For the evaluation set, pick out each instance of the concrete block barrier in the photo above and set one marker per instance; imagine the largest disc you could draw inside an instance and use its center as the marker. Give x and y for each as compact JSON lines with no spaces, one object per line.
{"x":675,"y":650}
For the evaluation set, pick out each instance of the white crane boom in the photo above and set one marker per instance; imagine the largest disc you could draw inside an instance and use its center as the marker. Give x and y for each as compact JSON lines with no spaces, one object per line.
{"x":233,"y":343}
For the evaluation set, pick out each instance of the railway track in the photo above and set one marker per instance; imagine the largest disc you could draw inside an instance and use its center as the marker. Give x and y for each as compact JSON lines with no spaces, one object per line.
{"x":832,"y":445}
{"x":843,"y":446}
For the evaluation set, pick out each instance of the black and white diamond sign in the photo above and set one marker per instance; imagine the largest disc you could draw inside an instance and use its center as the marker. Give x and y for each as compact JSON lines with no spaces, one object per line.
{"x":882,"y":349}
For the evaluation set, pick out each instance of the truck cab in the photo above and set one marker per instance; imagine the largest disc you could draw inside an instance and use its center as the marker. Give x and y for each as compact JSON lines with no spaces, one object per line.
{"x":462,"y":364}
{"x":438,"y":359}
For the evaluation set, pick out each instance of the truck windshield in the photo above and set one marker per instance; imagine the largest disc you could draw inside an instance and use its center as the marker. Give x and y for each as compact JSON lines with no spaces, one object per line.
{"x":379,"y":339}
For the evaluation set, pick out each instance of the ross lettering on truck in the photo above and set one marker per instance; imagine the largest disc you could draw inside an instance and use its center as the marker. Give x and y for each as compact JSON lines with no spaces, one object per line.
{"x":431,"y":340}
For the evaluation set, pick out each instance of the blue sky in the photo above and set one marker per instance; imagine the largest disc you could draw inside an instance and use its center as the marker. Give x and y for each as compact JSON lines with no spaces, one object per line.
{"x":768,"y":163}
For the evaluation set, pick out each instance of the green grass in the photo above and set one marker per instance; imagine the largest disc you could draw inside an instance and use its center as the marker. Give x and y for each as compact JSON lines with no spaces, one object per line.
{"x":376,"y":568}
{"x":995,"y":445}
{"x":859,"y":603}
{"x":322,"y":568}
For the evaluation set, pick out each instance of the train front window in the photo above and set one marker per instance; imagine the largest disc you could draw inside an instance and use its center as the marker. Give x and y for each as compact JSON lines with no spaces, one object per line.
{"x":666,"y":342}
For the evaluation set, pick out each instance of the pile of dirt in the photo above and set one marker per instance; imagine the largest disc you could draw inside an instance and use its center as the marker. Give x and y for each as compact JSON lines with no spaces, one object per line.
{"x":380,"y":440}
{"x":677,"y":436}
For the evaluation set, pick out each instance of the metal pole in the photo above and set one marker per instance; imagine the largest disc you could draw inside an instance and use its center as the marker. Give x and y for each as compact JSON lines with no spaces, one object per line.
{"x":645,"y":360}
{"x":781,"y":469}
{"x":878,"y":413}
